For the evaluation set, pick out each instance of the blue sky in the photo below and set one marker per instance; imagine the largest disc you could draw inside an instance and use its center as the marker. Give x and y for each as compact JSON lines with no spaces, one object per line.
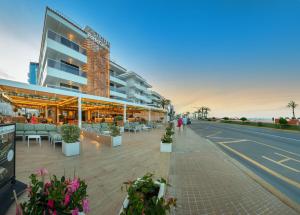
{"x":237,"y":57}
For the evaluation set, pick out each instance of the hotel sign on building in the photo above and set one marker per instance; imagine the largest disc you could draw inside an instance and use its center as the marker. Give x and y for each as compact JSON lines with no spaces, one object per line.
{"x":97,"y":67}
{"x":94,"y":36}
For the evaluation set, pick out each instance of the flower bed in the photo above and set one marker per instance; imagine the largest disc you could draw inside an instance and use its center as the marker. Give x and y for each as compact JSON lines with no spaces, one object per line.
{"x":55,"y":196}
{"x":146,"y":196}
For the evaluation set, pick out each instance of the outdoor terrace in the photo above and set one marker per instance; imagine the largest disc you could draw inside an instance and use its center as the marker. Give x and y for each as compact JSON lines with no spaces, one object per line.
{"x":104,"y":168}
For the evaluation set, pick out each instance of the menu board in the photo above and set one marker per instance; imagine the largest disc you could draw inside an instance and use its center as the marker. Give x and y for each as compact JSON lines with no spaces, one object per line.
{"x":7,"y":153}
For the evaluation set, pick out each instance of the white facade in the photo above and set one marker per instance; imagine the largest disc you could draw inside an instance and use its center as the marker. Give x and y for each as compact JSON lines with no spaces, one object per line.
{"x":138,"y":90}
{"x":156,"y":99}
{"x":62,"y":55}
{"x":118,"y":84}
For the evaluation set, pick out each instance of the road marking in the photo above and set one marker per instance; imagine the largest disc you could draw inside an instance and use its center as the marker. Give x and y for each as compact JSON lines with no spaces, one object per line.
{"x":234,"y":141}
{"x":213,"y":134}
{"x":272,"y":135}
{"x":226,"y":138}
{"x":281,"y":164}
{"x":275,"y":147}
{"x":286,"y":158}
{"x":275,"y":174}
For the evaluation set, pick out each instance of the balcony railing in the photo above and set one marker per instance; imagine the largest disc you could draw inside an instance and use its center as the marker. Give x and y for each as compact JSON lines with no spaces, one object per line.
{"x":117,"y":90}
{"x":58,"y":38}
{"x":65,"y":67}
{"x":64,"y":88}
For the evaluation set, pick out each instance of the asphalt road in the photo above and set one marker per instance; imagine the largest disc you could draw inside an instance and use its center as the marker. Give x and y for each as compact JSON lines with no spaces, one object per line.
{"x":273,"y":155}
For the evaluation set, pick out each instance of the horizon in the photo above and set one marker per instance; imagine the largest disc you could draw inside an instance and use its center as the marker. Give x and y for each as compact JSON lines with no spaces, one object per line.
{"x":239,"y":59}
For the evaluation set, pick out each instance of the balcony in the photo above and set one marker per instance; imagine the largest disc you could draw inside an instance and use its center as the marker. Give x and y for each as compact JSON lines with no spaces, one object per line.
{"x":118,"y":92}
{"x":142,"y":97}
{"x":65,"y":47}
{"x":59,"y":70}
{"x":140,"y":87}
{"x":65,"y":67}
{"x":117,"y":80}
{"x":64,"y":88}
{"x":62,"y":40}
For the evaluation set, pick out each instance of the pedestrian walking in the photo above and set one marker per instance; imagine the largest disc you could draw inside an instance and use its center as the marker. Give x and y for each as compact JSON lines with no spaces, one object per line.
{"x":184,"y":121}
{"x":179,"y":123}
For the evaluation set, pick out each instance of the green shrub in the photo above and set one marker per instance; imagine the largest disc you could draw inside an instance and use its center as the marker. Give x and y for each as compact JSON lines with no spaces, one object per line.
{"x":283,"y":121}
{"x":70,"y":133}
{"x":243,"y":119}
{"x":169,"y":131}
{"x":119,"y":118}
{"x":114,"y":131}
{"x":226,"y":118}
{"x":259,"y":124}
{"x":166,"y":139}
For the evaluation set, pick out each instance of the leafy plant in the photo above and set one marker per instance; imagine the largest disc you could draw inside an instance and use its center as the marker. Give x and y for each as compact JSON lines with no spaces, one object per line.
{"x":119,"y":118}
{"x":143,"y":197}
{"x":114,"y":131}
{"x":166,"y":139}
{"x":70,"y":133}
{"x":56,"y":196}
{"x":169,"y":131}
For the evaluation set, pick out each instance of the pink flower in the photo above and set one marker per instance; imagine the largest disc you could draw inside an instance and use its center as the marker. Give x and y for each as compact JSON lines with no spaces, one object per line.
{"x":67,"y":199}
{"x":48,"y":184}
{"x":50,"y":203}
{"x":54,"y":212}
{"x":75,"y":211}
{"x":86,"y":205}
{"x":74,"y":185}
{"x":42,"y":172}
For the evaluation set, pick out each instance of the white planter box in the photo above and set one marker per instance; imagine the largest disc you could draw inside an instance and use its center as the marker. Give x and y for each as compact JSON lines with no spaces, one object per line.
{"x":122,"y":129}
{"x":116,"y":141}
{"x":70,"y":149}
{"x":161,"y":194}
{"x":165,"y":147}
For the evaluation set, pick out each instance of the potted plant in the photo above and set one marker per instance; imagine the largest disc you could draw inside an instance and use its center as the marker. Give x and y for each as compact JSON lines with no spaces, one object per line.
{"x":70,"y":139}
{"x":116,"y":138}
{"x":166,"y":143}
{"x":146,"y":196}
{"x":55,"y":196}
{"x":120,"y":122}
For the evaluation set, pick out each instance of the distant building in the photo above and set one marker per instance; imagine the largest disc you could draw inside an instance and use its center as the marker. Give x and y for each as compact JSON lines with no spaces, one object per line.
{"x":32,"y":74}
{"x":137,"y":88}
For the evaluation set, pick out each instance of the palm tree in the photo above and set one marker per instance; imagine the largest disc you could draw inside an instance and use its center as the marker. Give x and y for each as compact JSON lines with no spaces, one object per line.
{"x":293,"y":105}
{"x":207,"y":109}
{"x":164,"y":102}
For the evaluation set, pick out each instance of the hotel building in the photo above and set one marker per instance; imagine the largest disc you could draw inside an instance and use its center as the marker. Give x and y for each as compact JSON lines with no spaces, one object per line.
{"x":76,"y":78}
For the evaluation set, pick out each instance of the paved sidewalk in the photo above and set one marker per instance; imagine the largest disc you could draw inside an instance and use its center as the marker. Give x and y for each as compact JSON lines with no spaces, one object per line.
{"x":205,"y":181}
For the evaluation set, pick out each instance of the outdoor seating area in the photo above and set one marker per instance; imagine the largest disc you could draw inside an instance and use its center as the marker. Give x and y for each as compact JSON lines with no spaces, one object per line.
{"x":51,"y":131}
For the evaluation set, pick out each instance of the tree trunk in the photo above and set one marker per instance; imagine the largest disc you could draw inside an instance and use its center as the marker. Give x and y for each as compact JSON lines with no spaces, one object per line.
{"x":294,"y":113}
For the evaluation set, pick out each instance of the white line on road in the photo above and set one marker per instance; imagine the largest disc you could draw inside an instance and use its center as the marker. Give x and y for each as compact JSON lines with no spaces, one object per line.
{"x":234,"y":141}
{"x":274,"y":147}
{"x":271,"y":135}
{"x":281,"y":164}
